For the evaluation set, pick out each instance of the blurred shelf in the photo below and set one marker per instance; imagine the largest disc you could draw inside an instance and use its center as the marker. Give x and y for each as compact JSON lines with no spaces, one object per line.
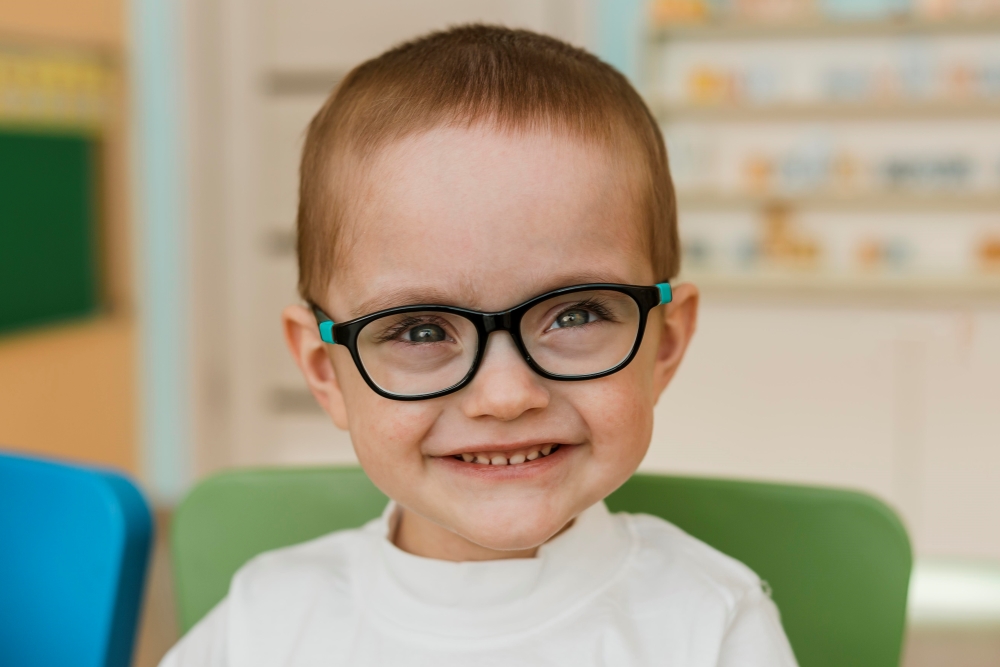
{"x":777,"y":283}
{"x":731,"y":29}
{"x":827,"y":285}
{"x":977,"y":202}
{"x":828,"y":111}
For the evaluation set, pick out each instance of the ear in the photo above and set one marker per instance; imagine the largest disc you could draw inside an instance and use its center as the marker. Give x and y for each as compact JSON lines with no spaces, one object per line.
{"x":310,"y":354}
{"x":678,"y":323}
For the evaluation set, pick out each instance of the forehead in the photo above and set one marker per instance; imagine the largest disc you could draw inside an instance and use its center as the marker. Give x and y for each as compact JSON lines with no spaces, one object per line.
{"x":486,"y":219}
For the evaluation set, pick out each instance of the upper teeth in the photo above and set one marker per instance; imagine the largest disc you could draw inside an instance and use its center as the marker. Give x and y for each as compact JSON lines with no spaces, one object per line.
{"x":511,"y":458}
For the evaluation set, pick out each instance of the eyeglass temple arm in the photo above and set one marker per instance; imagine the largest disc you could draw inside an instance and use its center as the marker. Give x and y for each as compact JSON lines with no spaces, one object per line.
{"x":325,"y":325}
{"x":666,"y":293}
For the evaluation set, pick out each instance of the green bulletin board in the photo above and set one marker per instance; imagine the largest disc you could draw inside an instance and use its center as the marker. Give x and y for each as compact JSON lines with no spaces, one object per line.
{"x":48,"y":245}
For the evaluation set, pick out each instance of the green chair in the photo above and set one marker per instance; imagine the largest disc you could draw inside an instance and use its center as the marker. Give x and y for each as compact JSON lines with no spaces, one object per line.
{"x":838,"y":562}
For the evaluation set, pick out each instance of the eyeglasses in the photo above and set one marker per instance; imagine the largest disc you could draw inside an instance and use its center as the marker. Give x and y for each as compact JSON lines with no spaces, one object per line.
{"x":575,"y":333}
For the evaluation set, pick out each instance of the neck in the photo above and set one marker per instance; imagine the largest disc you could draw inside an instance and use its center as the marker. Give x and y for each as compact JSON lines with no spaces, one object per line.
{"x":420,"y":537}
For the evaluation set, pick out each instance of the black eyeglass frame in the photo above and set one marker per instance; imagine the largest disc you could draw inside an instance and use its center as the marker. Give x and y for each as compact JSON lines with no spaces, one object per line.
{"x":346,"y":333}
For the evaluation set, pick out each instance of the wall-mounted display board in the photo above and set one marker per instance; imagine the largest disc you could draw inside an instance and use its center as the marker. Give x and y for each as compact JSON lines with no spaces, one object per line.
{"x":833,"y":146}
{"x":48,"y":246}
{"x":51,"y":114}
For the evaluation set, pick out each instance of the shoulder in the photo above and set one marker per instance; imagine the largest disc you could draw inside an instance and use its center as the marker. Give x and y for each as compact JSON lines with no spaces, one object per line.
{"x":204,"y":645}
{"x":695,"y":599}
{"x":299,"y":600}
{"x":292,"y":573}
{"x":670,"y":561}
{"x":273,"y":598}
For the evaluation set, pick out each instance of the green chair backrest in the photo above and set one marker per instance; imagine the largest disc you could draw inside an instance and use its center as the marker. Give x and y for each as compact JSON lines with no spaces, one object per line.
{"x":838,"y":562}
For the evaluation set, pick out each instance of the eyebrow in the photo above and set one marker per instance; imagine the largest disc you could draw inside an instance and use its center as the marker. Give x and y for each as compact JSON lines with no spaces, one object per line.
{"x":406,"y":296}
{"x":465,"y":296}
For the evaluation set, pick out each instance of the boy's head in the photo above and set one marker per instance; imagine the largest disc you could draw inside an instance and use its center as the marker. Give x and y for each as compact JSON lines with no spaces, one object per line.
{"x":478,"y":168}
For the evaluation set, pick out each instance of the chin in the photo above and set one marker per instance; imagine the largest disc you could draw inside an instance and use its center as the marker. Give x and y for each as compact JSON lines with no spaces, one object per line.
{"x":512,"y":533}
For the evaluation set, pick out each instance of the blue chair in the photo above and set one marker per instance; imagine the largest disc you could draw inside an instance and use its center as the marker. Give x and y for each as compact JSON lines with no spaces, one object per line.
{"x":74,"y":544}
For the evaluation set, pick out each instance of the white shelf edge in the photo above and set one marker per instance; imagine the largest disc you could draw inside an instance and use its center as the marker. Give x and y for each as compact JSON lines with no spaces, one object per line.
{"x":832,"y":111}
{"x":776,"y":282}
{"x":730,"y":29}
{"x":943,"y":201}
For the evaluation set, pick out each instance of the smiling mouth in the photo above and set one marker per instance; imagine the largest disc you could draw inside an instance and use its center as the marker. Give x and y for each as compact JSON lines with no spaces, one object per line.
{"x":514,"y":458}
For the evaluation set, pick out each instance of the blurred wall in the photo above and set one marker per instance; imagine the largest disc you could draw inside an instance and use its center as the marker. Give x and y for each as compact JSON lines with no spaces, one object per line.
{"x":68,"y":390}
{"x":843,"y":366}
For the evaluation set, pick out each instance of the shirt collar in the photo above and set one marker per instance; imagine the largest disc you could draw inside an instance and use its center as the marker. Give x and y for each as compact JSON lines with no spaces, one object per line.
{"x":479,"y":599}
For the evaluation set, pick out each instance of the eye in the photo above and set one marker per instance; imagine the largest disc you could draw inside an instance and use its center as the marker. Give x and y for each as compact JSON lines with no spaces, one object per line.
{"x":413,"y":329}
{"x":425,"y":333}
{"x":573,"y":318}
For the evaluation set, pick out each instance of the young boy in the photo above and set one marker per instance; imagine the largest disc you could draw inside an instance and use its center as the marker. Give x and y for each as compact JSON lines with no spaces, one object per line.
{"x":487,"y":230}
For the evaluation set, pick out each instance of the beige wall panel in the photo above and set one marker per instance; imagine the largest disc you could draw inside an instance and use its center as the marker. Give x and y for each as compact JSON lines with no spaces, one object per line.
{"x":317,"y":34}
{"x":308,"y":439}
{"x":285,"y":120}
{"x":899,"y":403}
{"x":783,"y":394}
{"x":277,"y":292}
{"x":959,"y":455}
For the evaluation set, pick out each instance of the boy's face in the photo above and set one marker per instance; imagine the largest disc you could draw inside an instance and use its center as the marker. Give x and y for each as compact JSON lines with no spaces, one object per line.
{"x":485,"y":220}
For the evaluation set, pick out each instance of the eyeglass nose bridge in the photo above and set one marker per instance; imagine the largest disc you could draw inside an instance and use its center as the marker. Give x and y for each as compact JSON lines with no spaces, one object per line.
{"x":503,"y":321}
{"x":498,"y":322}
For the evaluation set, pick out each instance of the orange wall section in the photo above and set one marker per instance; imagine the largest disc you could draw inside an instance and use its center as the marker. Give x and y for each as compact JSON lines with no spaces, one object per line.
{"x":79,"y":22}
{"x":69,"y":392}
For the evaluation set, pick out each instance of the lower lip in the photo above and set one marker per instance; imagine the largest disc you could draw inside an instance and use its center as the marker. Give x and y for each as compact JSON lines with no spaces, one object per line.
{"x":539,"y":466}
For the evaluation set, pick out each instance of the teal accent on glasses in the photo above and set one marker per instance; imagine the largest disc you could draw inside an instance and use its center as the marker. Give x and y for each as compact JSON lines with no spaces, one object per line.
{"x":666,"y":293}
{"x":326,"y":332}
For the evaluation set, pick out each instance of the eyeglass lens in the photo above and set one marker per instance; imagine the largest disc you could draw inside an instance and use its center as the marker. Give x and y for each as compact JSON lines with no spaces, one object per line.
{"x":575,"y":334}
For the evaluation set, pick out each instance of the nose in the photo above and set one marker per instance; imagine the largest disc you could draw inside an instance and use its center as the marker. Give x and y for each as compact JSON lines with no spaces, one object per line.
{"x":504,"y":387}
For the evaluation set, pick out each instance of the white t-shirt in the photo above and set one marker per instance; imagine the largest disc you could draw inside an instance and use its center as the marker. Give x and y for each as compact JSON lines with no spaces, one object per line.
{"x":613,"y":589}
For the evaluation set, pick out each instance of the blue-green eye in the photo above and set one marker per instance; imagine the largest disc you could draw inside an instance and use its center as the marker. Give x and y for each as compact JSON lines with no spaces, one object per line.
{"x":425,"y":333}
{"x":573,"y":318}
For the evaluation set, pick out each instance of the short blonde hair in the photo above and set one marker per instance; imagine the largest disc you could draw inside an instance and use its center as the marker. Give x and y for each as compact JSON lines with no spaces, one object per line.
{"x":514,"y":80}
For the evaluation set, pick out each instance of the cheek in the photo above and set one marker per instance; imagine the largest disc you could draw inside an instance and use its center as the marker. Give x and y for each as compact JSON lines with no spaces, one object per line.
{"x":386,"y":434}
{"x":619,"y":413}
{"x":391,"y":429}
